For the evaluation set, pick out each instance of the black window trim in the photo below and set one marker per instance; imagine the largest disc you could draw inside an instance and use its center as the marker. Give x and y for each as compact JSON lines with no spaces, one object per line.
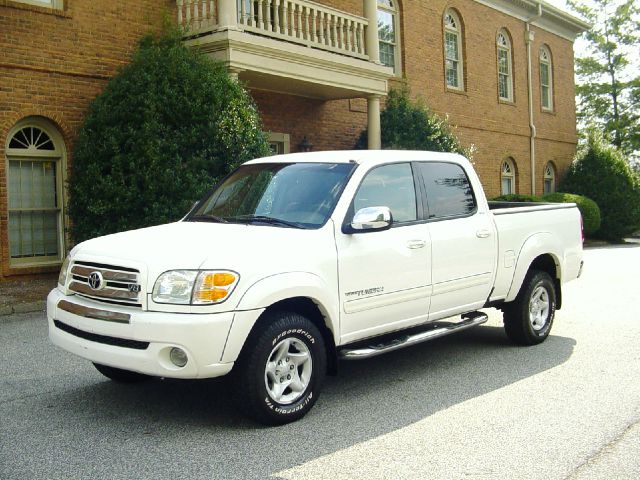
{"x":425,"y":197}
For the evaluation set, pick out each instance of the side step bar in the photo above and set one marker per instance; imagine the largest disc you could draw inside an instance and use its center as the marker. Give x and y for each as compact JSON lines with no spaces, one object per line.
{"x":435,"y":330}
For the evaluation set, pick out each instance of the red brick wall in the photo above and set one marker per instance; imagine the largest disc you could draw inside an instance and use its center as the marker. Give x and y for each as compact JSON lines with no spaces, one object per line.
{"x":53,"y":63}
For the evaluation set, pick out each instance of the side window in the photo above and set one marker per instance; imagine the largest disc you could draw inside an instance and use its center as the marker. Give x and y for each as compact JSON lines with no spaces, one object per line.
{"x":389,"y":186}
{"x":449,"y":192}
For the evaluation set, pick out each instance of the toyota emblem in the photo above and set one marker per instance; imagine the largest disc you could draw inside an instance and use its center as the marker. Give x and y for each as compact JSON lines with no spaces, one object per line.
{"x":96,"y":282}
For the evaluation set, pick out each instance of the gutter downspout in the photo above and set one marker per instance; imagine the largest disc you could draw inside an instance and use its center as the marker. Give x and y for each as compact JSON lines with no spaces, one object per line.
{"x":529,"y":36}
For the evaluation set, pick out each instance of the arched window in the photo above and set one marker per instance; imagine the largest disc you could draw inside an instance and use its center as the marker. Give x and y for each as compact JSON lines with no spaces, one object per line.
{"x":549,"y":178}
{"x":35,"y":153}
{"x":508,"y":177}
{"x":505,"y":66}
{"x":387,"y":34}
{"x":546,"y":79}
{"x":453,"y":57}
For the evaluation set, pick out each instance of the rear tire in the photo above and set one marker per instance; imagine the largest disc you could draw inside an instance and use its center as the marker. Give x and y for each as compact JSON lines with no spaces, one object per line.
{"x":280,"y":372}
{"x":121,"y":376}
{"x":528,"y":319}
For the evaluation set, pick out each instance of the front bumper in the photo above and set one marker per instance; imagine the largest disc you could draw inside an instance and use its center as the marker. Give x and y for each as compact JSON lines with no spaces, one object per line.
{"x":118,"y":336}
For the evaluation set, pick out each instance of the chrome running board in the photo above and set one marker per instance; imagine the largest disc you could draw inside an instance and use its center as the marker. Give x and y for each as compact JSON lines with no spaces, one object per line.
{"x":433,"y":331}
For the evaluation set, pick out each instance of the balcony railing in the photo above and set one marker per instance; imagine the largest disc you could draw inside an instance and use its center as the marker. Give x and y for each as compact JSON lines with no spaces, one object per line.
{"x":297,"y":21}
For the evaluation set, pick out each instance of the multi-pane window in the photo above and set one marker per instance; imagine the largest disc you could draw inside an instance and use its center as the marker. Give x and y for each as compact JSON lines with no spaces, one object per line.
{"x":453,"y":68}
{"x":549,"y":178}
{"x":35,"y":200}
{"x":546,"y":79}
{"x":508,"y":177}
{"x":387,"y":34}
{"x":505,"y":75}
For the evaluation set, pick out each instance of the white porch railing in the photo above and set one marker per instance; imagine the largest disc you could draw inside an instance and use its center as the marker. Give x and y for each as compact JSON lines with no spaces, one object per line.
{"x":298,"y":21}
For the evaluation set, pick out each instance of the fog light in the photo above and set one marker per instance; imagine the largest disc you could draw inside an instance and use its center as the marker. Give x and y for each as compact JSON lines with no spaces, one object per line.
{"x":178,"y":357}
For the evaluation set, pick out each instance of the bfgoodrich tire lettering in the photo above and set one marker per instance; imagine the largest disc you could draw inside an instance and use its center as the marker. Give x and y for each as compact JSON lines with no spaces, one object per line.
{"x":529,"y":318}
{"x":280,"y":372}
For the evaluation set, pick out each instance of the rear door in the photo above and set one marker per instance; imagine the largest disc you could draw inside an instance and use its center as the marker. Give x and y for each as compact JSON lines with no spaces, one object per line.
{"x":463,"y":240}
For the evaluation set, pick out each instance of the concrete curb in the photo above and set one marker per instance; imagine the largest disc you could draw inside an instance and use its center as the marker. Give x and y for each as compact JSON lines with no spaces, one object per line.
{"x":29,"y":307}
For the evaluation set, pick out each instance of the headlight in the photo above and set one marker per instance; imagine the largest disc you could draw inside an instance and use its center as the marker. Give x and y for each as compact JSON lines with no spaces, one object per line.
{"x":194,"y":287}
{"x":64,"y":270}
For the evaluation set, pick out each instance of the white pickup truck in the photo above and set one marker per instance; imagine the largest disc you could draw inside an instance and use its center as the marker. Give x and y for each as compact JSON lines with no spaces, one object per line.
{"x":296,"y":261}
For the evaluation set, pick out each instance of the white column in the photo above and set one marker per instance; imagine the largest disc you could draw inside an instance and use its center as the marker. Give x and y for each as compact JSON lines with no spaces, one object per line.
{"x":234,"y":73}
{"x":227,"y":15}
{"x":371,"y":38}
{"x":373,"y":123}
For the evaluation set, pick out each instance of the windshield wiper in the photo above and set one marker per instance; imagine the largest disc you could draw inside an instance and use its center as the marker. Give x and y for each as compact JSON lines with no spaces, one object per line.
{"x":266,"y":219}
{"x":208,"y":218}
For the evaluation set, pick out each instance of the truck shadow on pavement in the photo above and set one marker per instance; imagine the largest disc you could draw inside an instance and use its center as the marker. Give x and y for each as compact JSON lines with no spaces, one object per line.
{"x":191,"y":420}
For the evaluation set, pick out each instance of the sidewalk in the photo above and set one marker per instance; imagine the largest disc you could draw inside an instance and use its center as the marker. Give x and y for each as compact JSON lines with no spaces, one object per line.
{"x":21,"y":296}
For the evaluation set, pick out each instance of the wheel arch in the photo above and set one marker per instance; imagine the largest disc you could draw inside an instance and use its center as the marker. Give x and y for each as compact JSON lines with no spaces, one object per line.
{"x":298,"y":292}
{"x":539,"y":252}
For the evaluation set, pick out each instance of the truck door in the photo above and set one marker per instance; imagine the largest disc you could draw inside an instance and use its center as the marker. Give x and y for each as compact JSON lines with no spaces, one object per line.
{"x":463,"y":240}
{"x":385,"y":276}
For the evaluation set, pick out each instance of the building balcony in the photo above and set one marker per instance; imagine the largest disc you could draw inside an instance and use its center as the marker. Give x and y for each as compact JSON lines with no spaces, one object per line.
{"x":295,"y":47}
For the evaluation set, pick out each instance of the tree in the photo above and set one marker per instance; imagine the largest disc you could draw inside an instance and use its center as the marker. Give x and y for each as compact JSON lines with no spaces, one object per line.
{"x":408,"y":125}
{"x":166,"y":127}
{"x":608,"y":89}
{"x":601,"y":173}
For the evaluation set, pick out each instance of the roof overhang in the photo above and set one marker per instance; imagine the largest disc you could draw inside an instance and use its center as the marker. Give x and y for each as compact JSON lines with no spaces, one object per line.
{"x":553,"y":19}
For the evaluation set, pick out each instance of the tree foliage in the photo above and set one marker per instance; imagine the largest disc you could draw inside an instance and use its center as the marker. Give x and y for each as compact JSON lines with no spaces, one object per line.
{"x":411,"y":125}
{"x":601,"y":174}
{"x":608,"y":90}
{"x":165,"y":128}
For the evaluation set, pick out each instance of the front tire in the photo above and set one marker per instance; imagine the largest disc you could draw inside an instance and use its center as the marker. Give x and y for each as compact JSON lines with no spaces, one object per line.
{"x":121,"y":376}
{"x":281,"y":369}
{"x":528,"y":319}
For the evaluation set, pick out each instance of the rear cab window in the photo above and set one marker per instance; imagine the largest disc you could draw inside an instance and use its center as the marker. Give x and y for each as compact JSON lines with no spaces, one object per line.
{"x":448,"y":190}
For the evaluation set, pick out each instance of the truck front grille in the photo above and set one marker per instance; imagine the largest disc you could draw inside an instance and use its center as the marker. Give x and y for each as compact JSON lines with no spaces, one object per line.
{"x":106,"y":283}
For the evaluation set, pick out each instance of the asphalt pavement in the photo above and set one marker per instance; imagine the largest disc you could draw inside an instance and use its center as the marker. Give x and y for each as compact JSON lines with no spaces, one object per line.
{"x":466,"y":406}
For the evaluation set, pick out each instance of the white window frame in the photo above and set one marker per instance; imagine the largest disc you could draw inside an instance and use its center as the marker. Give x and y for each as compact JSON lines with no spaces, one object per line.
{"x":549,"y":176}
{"x":546,"y":101}
{"x":503,"y":47}
{"x":453,"y":26}
{"x":389,"y":6}
{"x":508,"y":173}
{"x":283,"y":139}
{"x":58,"y":157}
{"x":52,"y":4}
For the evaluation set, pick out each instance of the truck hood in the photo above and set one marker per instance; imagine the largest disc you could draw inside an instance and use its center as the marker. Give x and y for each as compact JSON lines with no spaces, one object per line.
{"x":192,"y":245}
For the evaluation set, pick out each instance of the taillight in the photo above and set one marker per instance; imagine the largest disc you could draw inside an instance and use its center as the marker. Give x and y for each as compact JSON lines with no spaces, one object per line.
{"x":582,"y":229}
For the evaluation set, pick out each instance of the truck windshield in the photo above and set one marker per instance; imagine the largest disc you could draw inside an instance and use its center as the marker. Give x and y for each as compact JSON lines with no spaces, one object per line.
{"x":299,"y":195}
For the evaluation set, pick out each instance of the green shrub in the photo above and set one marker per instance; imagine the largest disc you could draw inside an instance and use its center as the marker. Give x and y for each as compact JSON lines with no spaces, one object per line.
{"x":165,"y":128}
{"x":601,"y":174}
{"x":408,"y":125}
{"x":588,"y":208}
{"x":516,"y":197}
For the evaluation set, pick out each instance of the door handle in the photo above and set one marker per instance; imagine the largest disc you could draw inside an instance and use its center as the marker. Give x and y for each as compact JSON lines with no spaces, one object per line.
{"x":415,"y":244}
{"x":483,"y":233}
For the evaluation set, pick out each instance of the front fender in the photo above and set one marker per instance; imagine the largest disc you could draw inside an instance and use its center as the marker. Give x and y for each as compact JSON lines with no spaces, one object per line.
{"x":536,"y":245}
{"x":273,"y":289}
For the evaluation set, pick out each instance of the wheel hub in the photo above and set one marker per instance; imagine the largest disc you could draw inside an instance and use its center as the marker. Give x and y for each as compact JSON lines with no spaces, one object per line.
{"x":288,"y":370}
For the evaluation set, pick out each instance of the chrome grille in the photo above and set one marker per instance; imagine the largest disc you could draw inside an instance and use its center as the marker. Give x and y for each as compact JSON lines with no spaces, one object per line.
{"x":117,"y":284}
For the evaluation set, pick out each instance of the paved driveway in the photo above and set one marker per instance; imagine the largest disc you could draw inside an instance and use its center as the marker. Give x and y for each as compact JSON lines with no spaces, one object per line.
{"x":466,"y":406}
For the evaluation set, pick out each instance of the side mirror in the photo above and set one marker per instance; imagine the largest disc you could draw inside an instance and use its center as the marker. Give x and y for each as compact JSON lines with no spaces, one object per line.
{"x":371,"y":219}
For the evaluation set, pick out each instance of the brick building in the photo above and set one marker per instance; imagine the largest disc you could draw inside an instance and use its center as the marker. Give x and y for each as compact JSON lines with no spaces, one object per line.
{"x":501,"y":69}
